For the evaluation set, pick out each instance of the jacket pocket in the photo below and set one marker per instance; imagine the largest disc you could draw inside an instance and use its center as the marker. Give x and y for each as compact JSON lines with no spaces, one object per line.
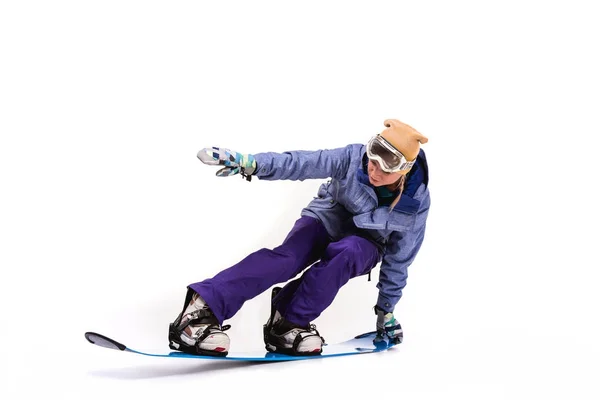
{"x":401,"y":222}
{"x":381,"y":218}
{"x":322,"y":202}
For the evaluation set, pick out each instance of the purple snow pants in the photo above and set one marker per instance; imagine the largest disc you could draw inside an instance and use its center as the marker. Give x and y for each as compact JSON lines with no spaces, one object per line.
{"x":302,"y":300}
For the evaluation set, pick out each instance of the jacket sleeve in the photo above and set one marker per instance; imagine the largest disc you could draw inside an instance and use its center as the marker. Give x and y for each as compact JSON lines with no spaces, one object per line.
{"x":401,"y":250}
{"x":302,"y":164}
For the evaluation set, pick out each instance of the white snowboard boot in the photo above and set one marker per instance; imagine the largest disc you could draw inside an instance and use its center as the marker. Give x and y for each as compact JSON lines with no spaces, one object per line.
{"x":282,"y":336}
{"x":196,"y":329}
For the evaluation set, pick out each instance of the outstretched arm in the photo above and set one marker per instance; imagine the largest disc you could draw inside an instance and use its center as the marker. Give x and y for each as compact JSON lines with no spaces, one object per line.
{"x":301,"y":164}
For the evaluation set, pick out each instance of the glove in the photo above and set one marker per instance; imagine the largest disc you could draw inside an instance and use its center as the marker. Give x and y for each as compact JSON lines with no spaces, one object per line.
{"x":387,"y":326}
{"x":234,"y":162}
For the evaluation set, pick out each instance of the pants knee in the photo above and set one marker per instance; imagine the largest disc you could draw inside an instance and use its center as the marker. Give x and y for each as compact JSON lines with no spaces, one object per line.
{"x":354,"y":249}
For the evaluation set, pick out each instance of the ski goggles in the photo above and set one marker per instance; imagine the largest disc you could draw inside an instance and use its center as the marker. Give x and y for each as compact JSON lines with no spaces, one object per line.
{"x":389,"y":158}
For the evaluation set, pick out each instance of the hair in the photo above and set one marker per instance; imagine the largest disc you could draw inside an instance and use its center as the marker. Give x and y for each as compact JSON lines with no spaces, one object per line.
{"x":399,"y":186}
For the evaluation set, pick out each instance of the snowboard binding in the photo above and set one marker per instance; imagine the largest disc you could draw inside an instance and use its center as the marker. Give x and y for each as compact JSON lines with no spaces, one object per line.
{"x":196,"y":330}
{"x":281,"y":336}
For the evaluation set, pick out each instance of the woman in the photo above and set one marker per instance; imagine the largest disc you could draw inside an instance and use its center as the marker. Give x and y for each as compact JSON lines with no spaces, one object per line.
{"x":373,"y":209}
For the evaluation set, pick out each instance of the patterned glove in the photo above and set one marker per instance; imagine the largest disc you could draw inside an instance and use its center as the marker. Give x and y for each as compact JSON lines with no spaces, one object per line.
{"x":234,"y":162}
{"x":387,"y":325}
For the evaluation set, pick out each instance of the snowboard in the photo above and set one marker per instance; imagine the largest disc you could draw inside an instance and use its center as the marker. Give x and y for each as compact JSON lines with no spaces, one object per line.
{"x":360,"y":344}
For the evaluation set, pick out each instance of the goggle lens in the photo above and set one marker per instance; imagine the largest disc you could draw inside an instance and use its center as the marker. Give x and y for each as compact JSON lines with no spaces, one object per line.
{"x":390,"y":160}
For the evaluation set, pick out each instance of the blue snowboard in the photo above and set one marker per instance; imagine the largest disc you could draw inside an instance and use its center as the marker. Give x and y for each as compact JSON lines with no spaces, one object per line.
{"x":360,"y":344}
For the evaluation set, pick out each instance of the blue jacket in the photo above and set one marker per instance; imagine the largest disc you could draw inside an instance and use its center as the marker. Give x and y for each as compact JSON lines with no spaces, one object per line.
{"x":347,"y":204}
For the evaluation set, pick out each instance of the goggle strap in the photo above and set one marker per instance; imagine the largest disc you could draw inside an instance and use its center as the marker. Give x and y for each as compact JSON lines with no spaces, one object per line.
{"x":406,"y":165}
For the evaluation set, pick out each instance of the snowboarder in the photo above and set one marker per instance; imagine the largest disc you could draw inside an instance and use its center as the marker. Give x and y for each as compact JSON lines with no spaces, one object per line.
{"x":373,"y":209}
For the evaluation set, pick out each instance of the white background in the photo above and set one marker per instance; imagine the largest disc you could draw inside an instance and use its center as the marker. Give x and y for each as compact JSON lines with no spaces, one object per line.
{"x":106,"y":213}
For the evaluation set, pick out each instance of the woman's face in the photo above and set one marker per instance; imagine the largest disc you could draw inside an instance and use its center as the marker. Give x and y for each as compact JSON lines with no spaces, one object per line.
{"x":379,"y":177}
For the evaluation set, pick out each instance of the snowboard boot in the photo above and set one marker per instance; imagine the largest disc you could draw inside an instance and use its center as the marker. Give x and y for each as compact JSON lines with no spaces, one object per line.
{"x":196,"y":329}
{"x":282,"y":336}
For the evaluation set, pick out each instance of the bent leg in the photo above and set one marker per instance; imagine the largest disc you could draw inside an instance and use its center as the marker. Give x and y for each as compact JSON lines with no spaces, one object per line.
{"x":227,"y":291}
{"x":315,"y":291}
